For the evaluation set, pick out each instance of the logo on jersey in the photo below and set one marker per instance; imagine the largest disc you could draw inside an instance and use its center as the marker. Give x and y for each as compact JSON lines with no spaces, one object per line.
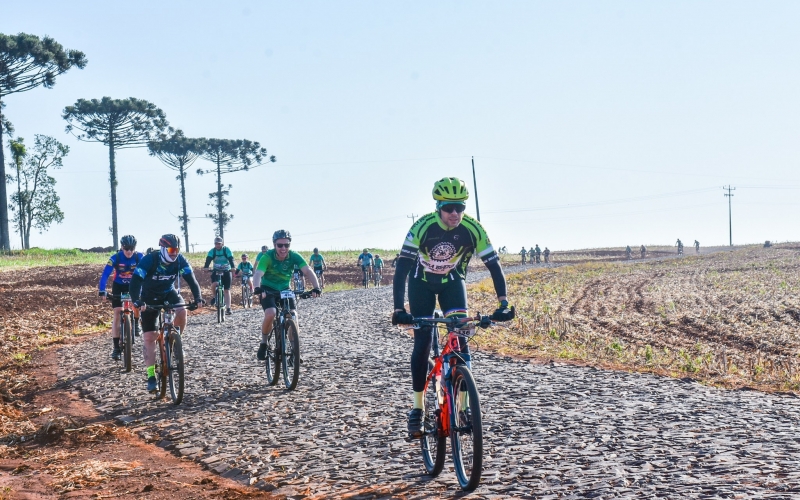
{"x":443,"y":251}
{"x":410,"y":236}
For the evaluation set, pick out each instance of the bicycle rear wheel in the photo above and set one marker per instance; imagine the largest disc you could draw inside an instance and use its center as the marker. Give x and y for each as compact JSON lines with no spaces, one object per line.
{"x":244,"y":296}
{"x":220,"y":302}
{"x":175,"y":349}
{"x":126,"y":335}
{"x":273,"y":361}
{"x":466,"y":437}
{"x":291,"y":354}
{"x":433,"y":444}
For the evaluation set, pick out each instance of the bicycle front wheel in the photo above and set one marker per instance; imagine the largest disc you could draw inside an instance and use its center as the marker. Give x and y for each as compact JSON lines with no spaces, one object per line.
{"x":220,"y":303}
{"x":433,"y":444}
{"x":273,"y":357}
{"x":126,"y":334}
{"x":244,"y":296}
{"x":161,"y":369}
{"x":291,"y":354}
{"x":466,"y":436}
{"x":175,"y":367}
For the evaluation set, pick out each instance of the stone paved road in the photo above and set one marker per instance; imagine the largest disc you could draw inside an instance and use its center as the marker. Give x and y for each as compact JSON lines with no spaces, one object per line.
{"x":552,"y":431}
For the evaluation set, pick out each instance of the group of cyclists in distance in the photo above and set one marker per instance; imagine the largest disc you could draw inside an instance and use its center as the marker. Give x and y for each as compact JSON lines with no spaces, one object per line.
{"x":432,"y":266}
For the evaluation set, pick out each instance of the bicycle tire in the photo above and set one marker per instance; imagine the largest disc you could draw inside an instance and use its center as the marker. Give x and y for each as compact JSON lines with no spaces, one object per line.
{"x":161,"y":369}
{"x":176,"y":367}
{"x":291,"y":354}
{"x":244,"y":296}
{"x":433,"y":445}
{"x":126,"y":336}
{"x":220,"y":303}
{"x":273,"y":362}
{"x":466,"y":437}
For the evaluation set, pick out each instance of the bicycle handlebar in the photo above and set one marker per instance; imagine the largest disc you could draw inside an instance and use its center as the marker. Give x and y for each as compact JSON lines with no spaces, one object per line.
{"x":455,"y":322}
{"x":165,"y":306}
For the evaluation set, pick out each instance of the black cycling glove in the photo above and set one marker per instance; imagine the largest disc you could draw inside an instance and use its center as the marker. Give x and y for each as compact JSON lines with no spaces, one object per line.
{"x":316,"y":291}
{"x":257,"y":290}
{"x":402,"y":318}
{"x":503,"y":313}
{"x":138,"y":304}
{"x":101,"y":293}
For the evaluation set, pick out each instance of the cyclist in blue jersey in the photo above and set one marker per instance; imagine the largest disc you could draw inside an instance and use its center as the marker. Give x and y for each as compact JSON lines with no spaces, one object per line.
{"x":222,"y":257}
{"x":153,"y":282}
{"x":365,"y":261}
{"x":122,"y":264}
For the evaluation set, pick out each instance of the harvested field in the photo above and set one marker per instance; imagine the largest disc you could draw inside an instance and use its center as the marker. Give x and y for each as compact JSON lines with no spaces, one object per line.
{"x":728,"y":318}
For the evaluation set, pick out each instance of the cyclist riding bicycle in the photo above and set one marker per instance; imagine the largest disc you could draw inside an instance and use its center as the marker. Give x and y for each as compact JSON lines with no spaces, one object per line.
{"x":679,"y":244}
{"x":438,"y":249}
{"x":697,"y":246}
{"x":643,"y":250}
{"x":394,"y":261}
{"x":365,"y":261}
{"x":318,"y":263}
{"x":628,"y":252}
{"x":154,"y":282}
{"x":274,"y":274}
{"x":538,"y":252}
{"x":263,"y":251}
{"x":377,"y":266}
{"x":523,"y":253}
{"x":223,"y":261}
{"x":546,"y":254}
{"x":246,"y":269}
{"x":122,"y":264}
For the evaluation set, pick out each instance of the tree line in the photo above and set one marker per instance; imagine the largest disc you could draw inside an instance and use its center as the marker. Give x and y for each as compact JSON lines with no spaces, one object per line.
{"x":28,"y":62}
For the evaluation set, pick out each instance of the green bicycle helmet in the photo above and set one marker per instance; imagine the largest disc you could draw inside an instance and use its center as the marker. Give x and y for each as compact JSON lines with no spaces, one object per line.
{"x":450,"y":189}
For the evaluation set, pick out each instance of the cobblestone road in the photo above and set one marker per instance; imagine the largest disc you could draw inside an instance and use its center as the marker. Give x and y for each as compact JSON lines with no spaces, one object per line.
{"x":551,"y":431}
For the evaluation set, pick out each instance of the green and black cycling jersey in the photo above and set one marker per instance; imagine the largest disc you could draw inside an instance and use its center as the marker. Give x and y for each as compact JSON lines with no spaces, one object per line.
{"x":443,"y":253}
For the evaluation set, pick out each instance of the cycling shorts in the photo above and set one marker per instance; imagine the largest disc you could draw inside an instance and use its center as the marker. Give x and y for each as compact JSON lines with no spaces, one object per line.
{"x":318,"y":270}
{"x":149,"y":316}
{"x":118,"y":289}
{"x":226,"y":279}
{"x":272,"y":299}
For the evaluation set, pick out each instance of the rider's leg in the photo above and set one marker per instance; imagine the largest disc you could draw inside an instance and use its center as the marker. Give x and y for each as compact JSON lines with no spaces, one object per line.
{"x":453,"y":299}
{"x":149,"y":317}
{"x":422,"y":302}
{"x":115,"y":325}
{"x":214,"y":285}
{"x":226,"y":285}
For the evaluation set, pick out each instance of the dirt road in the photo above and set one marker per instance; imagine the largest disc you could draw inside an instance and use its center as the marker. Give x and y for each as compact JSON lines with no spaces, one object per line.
{"x":551,"y":430}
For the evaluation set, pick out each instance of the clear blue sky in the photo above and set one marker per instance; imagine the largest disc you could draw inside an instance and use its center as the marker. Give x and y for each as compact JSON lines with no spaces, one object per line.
{"x":591,"y":123}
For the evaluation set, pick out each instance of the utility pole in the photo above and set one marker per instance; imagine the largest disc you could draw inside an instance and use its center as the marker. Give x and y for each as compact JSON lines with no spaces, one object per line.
{"x":413,"y":218}
{"x":730,"y":219}
{"x":475,"y":184}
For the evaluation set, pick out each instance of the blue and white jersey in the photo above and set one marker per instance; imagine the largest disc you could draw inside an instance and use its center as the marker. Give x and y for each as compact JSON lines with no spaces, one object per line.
{"x":157,"y":279}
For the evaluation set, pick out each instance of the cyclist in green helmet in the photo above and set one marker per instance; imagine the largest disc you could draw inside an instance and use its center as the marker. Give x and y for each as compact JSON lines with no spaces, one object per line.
{"x":317,"y":261}
{"x":436,"y":253}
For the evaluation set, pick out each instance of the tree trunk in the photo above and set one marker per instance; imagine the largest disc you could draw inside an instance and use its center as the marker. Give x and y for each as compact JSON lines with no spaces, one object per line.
{"x":5,"y":240}
{"x":19,"y":203}
{"x":112,"y":178}
{"x":219,"y":200}
{"x":185,"y":216}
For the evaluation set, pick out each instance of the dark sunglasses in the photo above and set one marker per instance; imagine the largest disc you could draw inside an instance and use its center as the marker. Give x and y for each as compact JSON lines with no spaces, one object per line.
{"x":453,"y":208}
{"x":130,"y":249}
{"x":282,"y":245}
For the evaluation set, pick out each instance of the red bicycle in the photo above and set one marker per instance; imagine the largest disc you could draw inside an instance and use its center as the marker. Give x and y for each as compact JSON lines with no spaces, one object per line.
{"x":452,"y":403}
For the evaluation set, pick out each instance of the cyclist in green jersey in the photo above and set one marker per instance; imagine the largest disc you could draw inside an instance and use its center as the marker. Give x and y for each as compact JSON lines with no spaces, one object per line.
{"x":377,"y":267}
{"x":317,"y":261}
{"x":263,"y":251}
{"x":436,"y":253}
{"x":222,"y":258}
{"x":246,"y":268}
{"x":274,"y":273}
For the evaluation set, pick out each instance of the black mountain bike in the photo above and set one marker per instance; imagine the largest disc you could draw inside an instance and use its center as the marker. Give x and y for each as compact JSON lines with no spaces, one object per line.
{"x":366,"y":275}
{"x":220,"y":295}
{"x":125,"y":329}
{"x":247,"y":295}
{"x":169,"y":358}
{"x":283,"y":342}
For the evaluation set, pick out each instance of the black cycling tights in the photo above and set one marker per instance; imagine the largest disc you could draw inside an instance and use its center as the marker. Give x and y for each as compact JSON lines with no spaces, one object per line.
{"x":422,"y":301}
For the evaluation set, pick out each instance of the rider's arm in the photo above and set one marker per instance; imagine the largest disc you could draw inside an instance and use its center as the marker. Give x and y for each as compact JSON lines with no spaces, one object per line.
{"x":194,"y":286}
{"x":310,"y":276}
{"x":209,"y":258}
{"x":498,"y":278}
{"x":106,"y":273}
{"x":404,"y":266}
{"x":230,"y":258}
{"x":135,"y":288}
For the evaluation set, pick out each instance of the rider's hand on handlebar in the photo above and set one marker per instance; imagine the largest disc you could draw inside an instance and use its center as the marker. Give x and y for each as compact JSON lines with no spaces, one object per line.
{"x":503,"y":313}
{"x":139,"y":304}
{"x":316,"y":292}
{"x":257,"y":291}
{"x":401,"y":317}
{"x":101,"y":293}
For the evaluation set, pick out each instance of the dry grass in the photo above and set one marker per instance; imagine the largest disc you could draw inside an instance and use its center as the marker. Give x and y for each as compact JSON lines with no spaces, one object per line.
{"x":729,"y":318}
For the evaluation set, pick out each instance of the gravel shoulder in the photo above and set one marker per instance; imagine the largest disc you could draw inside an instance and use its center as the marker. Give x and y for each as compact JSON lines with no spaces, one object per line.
{"x":565,"y":431}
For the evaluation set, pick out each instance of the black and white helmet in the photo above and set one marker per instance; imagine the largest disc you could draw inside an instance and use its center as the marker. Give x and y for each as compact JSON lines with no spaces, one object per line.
{"x":128,"y":241}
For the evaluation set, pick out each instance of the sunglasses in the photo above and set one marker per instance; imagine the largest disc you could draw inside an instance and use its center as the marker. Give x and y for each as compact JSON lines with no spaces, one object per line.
{"x":129,"y":249}
{"x":453,"y":208}
{"x":282,"y":245}
{"x":173,"y":250}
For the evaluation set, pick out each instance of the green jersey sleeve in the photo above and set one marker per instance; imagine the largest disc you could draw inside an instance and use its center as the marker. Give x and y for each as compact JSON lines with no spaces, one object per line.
{"x":483,"y":247}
